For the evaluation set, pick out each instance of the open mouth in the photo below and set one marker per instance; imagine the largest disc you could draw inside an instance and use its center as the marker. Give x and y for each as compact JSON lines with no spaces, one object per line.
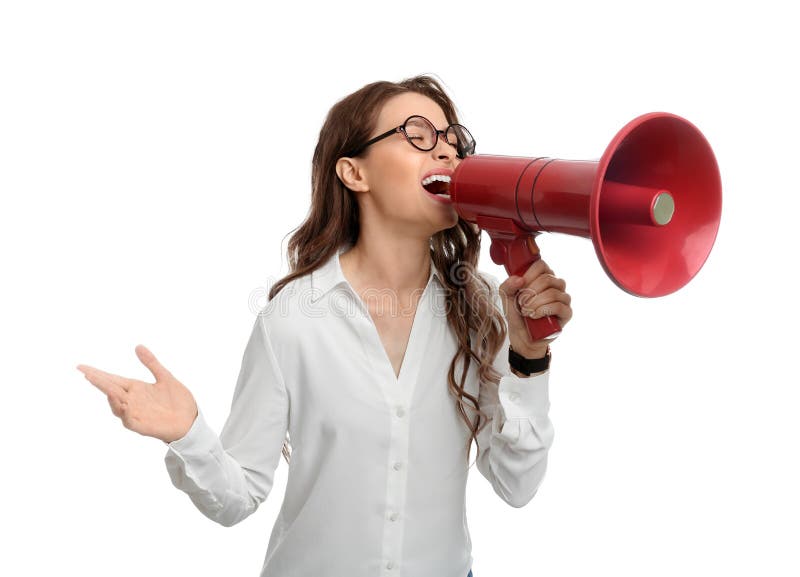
{"x":438,"y":184}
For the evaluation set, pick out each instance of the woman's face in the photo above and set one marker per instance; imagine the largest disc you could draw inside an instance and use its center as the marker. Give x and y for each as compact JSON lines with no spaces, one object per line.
{"x":394,"y":170}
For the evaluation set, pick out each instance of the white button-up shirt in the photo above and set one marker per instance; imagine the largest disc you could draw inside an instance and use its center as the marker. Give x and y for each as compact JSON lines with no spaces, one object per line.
{"x":378,"y":469}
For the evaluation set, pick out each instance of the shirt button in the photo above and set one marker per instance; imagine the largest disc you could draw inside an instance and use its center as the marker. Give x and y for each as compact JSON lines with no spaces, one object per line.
{"x":390,"y":565}
{"x":397,"y":466}
{"x":400,"y":411}
{"x":513,"y":397}
{"x":393,"y":517}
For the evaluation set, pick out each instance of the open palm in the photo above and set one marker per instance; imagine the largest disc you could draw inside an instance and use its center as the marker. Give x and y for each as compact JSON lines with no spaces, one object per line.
{"x":164,"y":409}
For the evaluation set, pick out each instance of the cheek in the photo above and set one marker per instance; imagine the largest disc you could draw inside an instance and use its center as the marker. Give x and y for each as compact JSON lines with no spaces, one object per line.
{"x":400,"y":177}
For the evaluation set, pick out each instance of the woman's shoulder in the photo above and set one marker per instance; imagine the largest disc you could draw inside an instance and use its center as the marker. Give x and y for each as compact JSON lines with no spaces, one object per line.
{"x":285,"y":308}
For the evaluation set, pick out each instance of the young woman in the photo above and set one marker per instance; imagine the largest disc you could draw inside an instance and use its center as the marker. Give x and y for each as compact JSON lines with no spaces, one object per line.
{"x":375,"y":364}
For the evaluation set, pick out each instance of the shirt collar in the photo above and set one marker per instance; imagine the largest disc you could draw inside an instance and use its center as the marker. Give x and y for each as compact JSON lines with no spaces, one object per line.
{"x":330,"y":275}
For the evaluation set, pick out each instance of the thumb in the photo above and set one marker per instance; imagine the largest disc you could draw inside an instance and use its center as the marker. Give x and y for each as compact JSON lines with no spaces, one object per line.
{"x":511,"y":286}
{"x":509,"y":290}
{"x":151,"y":362}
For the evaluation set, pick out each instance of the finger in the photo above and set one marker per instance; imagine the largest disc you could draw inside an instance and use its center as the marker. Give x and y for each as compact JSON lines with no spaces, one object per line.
{"x":548,"y":296}
{"x":151,"y":362}
{"x":537,"y":269}
{"x":511,"y":287}
{"x":548,"y":281}
{"x":517,"y":282}
{"x":557,"y":309}
{"x":543,"y":283}
{"x":525,"y":295}
{"x":109,"y":383}
{"x":117,"y":406}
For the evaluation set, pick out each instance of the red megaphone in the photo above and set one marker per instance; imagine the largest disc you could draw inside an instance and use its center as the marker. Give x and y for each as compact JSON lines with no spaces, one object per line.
{"x":651,"y":206}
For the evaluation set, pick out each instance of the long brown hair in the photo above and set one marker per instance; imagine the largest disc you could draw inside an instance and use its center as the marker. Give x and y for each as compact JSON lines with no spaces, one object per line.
{"x":333,"y":222}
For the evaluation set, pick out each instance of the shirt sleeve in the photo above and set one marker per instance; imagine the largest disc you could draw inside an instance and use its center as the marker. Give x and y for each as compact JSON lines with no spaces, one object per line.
{"x":229,"y":475}
{"x":515,"y":443}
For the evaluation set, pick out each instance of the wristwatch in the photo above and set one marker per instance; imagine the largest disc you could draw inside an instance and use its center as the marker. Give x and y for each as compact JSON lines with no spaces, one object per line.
{"x":528,"y":366}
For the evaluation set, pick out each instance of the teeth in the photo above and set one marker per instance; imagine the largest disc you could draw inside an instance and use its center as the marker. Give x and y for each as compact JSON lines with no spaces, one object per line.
{"x":434,"y":178}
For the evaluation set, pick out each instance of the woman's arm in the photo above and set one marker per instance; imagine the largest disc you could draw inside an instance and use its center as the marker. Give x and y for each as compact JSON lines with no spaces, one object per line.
{"x":514,"y":444}
{"x":229,"y":475}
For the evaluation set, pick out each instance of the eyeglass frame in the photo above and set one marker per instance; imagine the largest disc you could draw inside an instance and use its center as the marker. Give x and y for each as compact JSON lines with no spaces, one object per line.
{"x":402,"y":129}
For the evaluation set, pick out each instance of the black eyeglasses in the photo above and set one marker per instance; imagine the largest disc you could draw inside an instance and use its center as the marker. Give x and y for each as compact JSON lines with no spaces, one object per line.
{"x":423,"y":135}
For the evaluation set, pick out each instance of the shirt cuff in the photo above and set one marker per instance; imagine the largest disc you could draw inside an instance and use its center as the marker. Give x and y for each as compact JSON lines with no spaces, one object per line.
{"x":524,"y":397}
{"x":200,"y":438}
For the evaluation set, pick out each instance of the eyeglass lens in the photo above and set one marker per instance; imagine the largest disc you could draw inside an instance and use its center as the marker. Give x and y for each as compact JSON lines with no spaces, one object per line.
{"x":422,"y":134}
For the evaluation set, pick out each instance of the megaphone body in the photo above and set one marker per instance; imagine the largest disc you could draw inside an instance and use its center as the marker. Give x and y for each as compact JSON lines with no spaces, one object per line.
{"x":651,"y":206}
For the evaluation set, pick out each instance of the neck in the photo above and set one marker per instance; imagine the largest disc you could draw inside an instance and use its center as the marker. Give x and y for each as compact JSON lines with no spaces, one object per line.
{"x":398,"y":264}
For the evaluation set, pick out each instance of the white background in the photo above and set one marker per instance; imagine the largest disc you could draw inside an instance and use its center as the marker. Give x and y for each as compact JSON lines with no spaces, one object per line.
{"x":155,"y":156}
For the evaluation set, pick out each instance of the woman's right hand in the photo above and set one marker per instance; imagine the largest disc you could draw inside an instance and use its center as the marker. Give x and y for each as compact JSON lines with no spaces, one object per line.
{"x":164,"y":409}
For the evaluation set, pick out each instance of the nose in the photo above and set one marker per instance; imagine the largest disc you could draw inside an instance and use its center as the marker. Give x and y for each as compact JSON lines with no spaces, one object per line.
{"x":444,"y":150}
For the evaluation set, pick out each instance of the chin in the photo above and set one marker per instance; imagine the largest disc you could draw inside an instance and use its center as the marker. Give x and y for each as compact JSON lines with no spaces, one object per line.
{"x":450,"y":223}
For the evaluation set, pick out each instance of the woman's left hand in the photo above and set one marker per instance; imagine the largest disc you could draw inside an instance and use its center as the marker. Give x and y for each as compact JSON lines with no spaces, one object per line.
{"x":538,"y":293}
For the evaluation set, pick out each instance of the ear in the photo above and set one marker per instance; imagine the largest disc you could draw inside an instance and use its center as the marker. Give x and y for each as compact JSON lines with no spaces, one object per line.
{"x":351,"y":173}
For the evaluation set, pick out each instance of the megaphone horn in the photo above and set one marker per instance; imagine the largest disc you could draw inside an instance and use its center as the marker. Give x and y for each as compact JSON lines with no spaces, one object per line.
{"x":651,"y":206}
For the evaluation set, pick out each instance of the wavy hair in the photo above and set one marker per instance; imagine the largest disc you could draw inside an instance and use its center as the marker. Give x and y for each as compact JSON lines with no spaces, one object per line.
{"x":333,"y":222}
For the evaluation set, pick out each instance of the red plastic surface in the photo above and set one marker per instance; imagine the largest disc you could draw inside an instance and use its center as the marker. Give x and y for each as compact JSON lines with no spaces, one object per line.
{"x":609,"y":201}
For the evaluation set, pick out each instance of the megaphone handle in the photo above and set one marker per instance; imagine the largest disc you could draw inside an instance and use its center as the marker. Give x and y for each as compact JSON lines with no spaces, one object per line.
{"x":518,"y":255}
